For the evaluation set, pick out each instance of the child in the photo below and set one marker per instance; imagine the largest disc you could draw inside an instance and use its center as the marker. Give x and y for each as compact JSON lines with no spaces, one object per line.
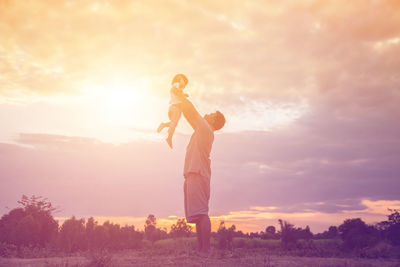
{"x":174,"y":112}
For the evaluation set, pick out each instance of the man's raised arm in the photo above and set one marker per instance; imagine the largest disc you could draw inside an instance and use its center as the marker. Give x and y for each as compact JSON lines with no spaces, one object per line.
{"x":190,"y":112}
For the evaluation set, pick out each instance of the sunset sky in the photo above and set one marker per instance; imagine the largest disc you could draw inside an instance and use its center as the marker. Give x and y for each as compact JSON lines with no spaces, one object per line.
{"x":310,"y":90}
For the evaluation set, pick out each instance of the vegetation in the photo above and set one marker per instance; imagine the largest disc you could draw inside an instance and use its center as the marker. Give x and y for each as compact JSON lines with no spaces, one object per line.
{"x":30,"y":231}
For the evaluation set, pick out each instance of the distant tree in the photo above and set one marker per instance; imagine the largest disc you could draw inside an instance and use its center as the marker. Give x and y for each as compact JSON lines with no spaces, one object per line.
{"x":254,"y":235}
{"x":304,"y":233}
{"x":130,"y":238}
{"x":72,"y":236}
{"x":270,"y":233}
{"x":33,"y":224}
{"x":113,"y":234}
{"x":239,"y":234}
{"x":330,"y":234}
{"x":356,"y":234}
{"x":225,"y":236}
{"x":91,"y":224}
{"x":151,"y":232}
{"x":290,"y":234}
{"x":391,"y":228}
{"x":394,"y":228}
{"x":287,"y":234}
{"x":181,"y":229}
{"x":270,"y":229}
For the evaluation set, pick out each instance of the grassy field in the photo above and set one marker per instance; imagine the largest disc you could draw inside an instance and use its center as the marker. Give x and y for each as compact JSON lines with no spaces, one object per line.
{"x":181,"y":252}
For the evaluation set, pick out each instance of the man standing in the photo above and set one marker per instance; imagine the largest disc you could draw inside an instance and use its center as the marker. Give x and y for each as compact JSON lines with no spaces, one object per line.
{"x":197,"y":170}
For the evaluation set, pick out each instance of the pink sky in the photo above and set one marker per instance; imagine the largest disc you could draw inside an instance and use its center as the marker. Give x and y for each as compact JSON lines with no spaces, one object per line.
{"x":310,"y":90}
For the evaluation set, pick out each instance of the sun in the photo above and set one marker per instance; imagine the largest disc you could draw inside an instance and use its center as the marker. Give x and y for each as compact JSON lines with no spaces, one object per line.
{"x":120,"y":102}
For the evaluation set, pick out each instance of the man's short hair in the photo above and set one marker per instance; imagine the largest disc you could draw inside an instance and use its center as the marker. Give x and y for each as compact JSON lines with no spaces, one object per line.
{"x":219,"y":120}
{"x":178,"y":76}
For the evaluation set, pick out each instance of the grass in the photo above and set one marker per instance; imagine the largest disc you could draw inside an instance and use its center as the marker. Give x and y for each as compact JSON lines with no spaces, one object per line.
{"x":238,"y":257}
{"x":181,"y":252}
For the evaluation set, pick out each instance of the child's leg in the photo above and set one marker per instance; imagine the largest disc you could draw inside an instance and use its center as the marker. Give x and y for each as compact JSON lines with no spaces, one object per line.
{"x":174,"y":115}
{"x":162,"y":126}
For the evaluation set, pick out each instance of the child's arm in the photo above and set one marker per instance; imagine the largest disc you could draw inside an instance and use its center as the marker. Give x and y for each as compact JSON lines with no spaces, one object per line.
{"x":179,"y":93}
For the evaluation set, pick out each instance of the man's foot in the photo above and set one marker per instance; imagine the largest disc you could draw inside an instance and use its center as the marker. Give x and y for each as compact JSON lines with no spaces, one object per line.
{"x":161,"y":127}
{"x":169,"y":141}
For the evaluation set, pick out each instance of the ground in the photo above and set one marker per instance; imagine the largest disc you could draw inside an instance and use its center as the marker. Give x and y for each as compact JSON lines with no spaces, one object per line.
{"x":156,"y":257}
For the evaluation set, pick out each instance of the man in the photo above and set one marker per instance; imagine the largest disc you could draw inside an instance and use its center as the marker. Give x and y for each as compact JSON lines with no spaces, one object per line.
{"x":197,"y":170}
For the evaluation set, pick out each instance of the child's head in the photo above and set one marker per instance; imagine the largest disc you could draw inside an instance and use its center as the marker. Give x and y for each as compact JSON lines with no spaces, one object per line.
{"x":181,"y":79}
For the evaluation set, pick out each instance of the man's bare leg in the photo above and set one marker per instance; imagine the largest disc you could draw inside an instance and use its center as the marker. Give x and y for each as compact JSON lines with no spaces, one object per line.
{"x":199,"y":236}
{"x":205,"y":225}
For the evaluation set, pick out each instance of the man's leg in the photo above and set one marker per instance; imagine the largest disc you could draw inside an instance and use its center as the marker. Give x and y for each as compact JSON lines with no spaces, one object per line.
{"x":205,"y":232}
{"x":199,"y":236}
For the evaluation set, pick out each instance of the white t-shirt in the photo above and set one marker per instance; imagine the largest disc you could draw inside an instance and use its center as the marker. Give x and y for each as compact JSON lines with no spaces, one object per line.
{"x":174,"y":98}
{"x":197,"y":159}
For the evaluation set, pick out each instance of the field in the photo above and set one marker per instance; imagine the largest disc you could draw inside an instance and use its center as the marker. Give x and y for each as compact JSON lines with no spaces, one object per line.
{"x":181,"y":252}
{"x":240,"y":257}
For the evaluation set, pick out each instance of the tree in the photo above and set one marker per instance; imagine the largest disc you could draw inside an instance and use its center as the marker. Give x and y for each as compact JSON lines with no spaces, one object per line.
{"x":270,"y":229}
{"x":130,"y":238}
{"x":290,"y":234}
{"x":151,"y":232}
{"x":181,"y":229}
{"x":72,"y":236}
{"x":331,"y":233}
{"x":287,"y":234}
{"x":33,"y":224}
{"x":225,"y":236}
{"x":91,"y":224}
{"x":356,"y":234}
{"x":391,"y":227}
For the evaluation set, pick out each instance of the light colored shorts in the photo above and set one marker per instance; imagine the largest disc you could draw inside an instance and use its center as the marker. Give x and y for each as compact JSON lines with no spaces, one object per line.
{"x":196,"y":190}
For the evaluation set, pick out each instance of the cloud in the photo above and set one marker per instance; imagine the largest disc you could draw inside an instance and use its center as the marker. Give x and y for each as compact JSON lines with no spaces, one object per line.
{"x":291,"y":172}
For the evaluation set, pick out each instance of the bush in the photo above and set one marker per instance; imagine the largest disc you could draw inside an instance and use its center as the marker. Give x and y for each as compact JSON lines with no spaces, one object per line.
{"x":290,"y":235}
{"x":357,"y":235}
{"x":380,"y":250}
{"x":8,"y":250}
{"x":30,"y":225}
{"x":225,"y":236}
{"x":100,"y":258}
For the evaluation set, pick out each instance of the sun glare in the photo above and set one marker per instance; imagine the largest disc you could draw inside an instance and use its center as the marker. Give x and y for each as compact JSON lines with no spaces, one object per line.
{"x":121,"y":102}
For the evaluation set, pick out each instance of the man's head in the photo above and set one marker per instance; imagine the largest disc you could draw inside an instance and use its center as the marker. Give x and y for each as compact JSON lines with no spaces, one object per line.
{"x":181,"y":79}
{"x":216,"y":120}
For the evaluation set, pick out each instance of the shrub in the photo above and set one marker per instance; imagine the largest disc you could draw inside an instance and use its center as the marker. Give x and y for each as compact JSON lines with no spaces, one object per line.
{"x":357,"y":235}
{"x":225,"y":236}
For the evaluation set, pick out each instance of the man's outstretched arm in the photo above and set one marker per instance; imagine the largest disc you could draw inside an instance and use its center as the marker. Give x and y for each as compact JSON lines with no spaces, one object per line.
{"x":190,"y":112}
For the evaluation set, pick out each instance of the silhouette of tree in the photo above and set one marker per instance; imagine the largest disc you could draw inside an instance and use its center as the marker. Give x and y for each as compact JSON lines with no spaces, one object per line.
{"x":72,"y":236}
{"x":33,"y":224}
{"x":287,"y":233}
{"x":290,"y":234}
{"x":391,"y":228}
{"x":356,"y":234}
{"x":270,"y":229}
{"x":181,"y":229}
{"x":130,"y":238}
{"x":270,"y":233}
{"x":151,"y":232}
{"x":91,"y":224}
{"x":331,"y":233}
{"x":225,"y":236}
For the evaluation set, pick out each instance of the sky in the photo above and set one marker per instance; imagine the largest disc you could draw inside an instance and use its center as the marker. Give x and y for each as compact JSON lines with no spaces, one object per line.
{"x":310,"y":91}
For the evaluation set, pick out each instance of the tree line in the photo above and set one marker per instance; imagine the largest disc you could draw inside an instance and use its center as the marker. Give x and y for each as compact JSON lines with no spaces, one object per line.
{"x":33,"y":225}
